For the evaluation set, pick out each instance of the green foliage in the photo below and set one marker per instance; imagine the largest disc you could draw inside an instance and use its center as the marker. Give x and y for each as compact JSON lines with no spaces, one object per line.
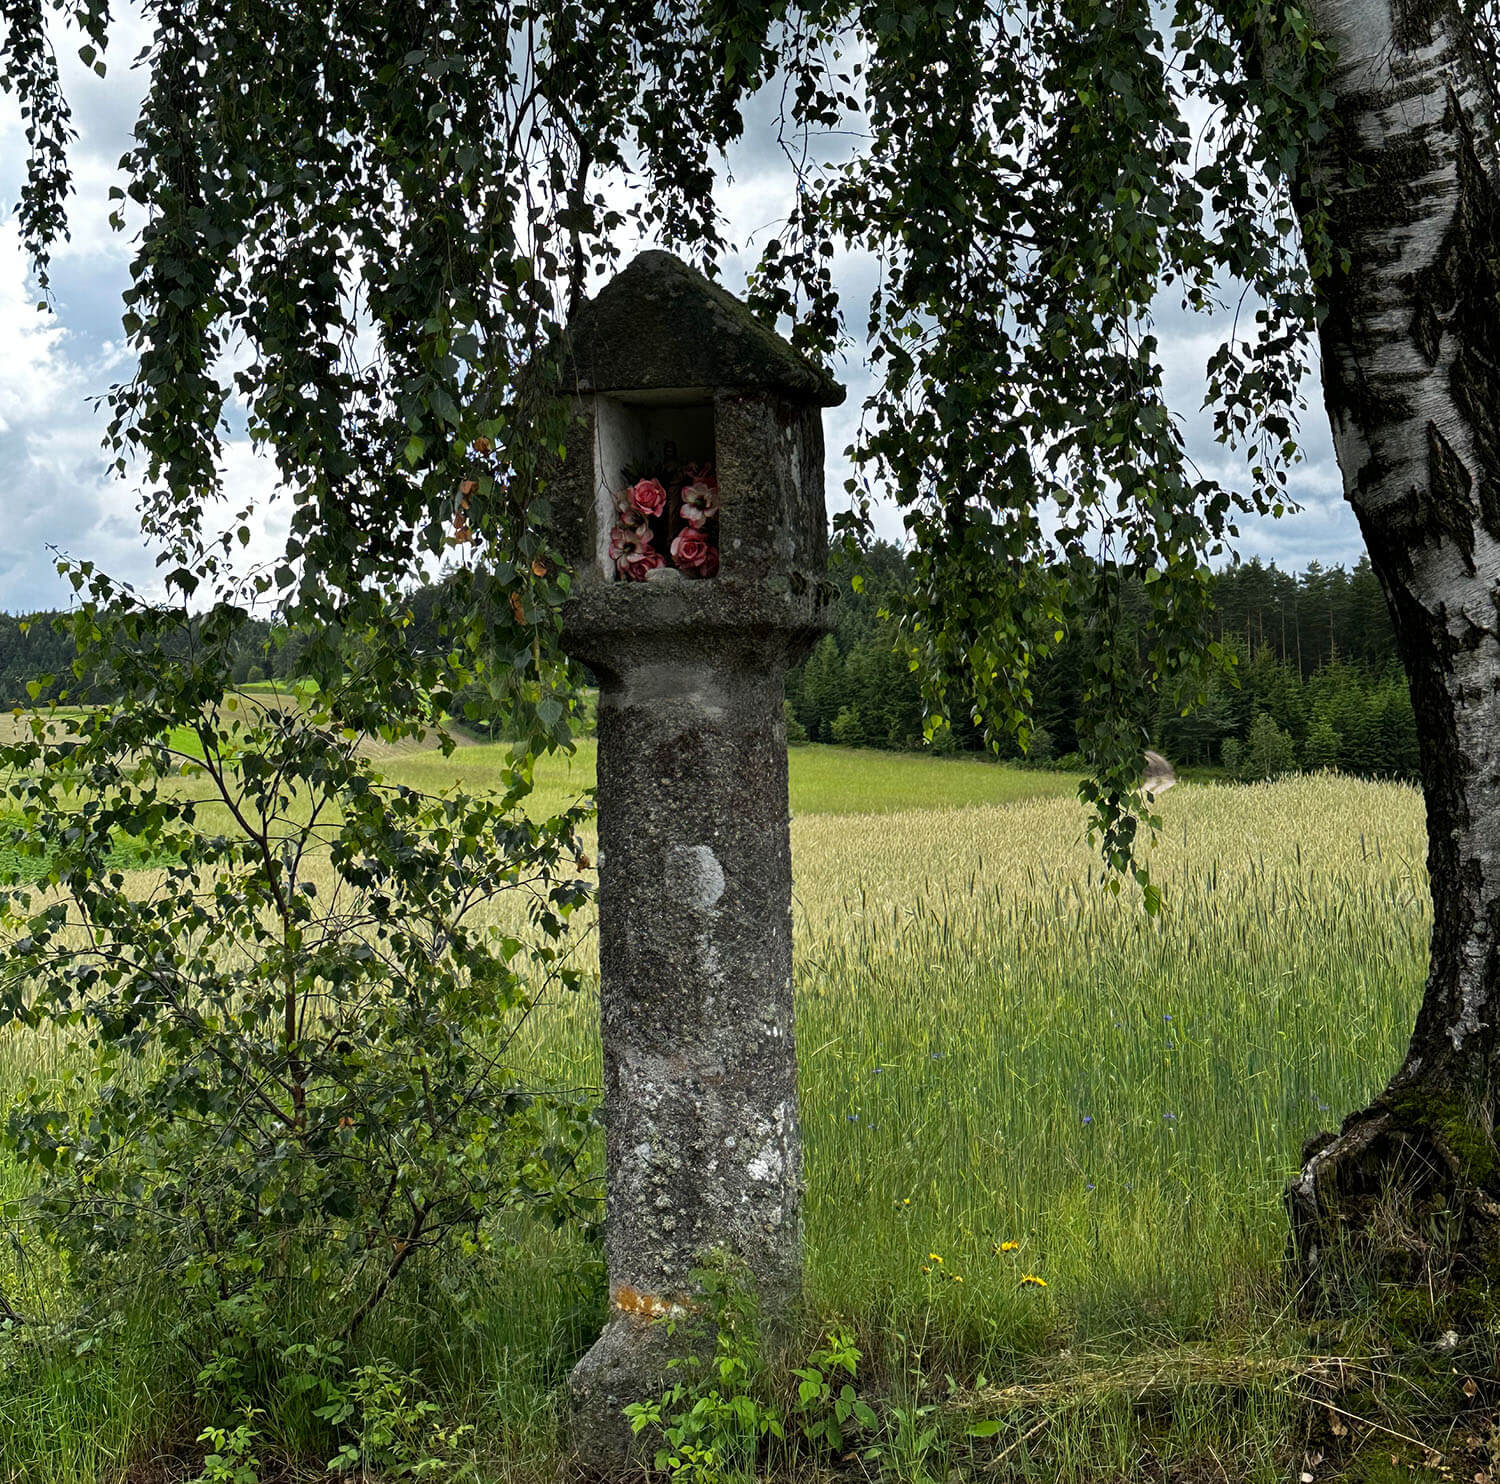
{"x":712,"y":1420}
{"x":718,"y":1415}
{"x":25,"y":855}
{"x":395,"y":1428}
{"x":1030,"y":185}
{"x":1315,"y":652}
{"x":229,"y":1459}
{"x":830,"y":1412}
{"x":848,"y":729}
{"x":378,"y":1418}
{"x":292,"y":1042}
{"x":1042,"y":749}
{"x":1321,"y":749}
{"x":1268,"y":751}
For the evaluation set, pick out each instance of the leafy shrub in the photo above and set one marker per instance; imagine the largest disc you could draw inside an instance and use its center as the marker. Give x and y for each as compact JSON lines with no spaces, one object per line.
{"x":1041,"y":749}
{"x":1268,"y":751}
{"x":378,"y":1418}
{"x":716,"y":1418}
{"x":1321,"y":749}
{"x":713,"y":1418}
{"x":295,"y":1067}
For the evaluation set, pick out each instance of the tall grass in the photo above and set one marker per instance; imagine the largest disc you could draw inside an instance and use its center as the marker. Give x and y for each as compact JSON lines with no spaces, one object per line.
{"x":993,"y":1051}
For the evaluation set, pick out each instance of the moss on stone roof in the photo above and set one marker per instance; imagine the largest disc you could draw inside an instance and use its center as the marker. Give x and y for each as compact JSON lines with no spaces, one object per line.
{"x":662,"y":325}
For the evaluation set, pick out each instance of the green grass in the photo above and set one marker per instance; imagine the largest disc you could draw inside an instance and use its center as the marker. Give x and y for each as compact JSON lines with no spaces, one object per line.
{"x":129,"y":852}
{"x":822,"y":780}
{"x":992,"y":1050}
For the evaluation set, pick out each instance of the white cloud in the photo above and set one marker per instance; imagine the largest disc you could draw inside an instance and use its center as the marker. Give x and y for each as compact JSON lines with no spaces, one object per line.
{"x":34,"y":369}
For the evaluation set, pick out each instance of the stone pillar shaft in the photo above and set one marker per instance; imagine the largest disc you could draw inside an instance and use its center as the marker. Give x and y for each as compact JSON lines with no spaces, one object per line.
{"x":695,"y":946}
{"x":700,"y":1075}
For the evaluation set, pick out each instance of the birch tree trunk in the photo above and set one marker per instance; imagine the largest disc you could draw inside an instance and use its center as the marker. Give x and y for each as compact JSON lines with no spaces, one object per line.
{"x":1411,"y":362}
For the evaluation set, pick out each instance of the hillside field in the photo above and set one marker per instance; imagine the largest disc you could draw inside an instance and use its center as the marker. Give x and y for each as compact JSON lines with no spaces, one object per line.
{"x":821,"y":780}
{"x":1007,"y":1074}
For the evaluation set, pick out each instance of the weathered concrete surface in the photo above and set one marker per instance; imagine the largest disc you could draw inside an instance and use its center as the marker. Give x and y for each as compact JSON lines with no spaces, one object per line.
{"x":702,"y":1144}
{"x":661,"y":324}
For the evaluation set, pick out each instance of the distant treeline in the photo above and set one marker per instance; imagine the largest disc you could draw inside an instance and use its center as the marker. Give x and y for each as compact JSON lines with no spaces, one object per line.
{"x":32,"y":648}
{"x":1319,"y":684}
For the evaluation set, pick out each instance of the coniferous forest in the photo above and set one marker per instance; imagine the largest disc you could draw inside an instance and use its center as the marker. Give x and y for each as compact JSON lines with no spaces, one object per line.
{"x":1319,"y":684}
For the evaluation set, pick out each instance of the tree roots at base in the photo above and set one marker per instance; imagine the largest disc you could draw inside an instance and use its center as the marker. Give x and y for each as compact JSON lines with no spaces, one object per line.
{"x":1405,"y":1196}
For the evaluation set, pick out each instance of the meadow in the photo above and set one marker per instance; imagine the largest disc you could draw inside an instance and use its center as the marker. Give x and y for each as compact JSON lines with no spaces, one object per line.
{"x":1046,"y":1134}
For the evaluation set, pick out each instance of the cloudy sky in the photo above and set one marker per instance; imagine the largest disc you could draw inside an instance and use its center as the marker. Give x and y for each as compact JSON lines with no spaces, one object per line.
{"x":54,"y":487}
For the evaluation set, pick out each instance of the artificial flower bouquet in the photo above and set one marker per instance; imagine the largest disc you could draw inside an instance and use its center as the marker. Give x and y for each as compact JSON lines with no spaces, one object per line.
{"x":667,"y":523}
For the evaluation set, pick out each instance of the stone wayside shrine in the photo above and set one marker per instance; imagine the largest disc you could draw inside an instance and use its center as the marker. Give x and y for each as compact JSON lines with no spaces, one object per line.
{"x":690,"y":505}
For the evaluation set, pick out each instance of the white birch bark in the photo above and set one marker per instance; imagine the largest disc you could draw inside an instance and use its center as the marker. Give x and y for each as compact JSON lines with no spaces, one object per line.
{"x":1411,"y":351}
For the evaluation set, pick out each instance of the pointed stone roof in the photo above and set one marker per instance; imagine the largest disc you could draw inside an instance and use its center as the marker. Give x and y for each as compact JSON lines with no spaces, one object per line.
{"x":660,"y":325}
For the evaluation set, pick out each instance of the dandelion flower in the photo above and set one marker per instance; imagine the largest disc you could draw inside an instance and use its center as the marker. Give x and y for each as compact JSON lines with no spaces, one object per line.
{"x":1033,"y":1279}
{"x":934,"y":1257}
{"x":1008,"y":1247}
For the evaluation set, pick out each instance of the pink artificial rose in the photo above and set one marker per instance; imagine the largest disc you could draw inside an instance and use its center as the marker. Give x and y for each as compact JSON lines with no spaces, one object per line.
{"x":631,"y":551}
{"x":626,"y":539}
{"x":634,"y":566}
{"x":648,"y":496}
{"x":700,"y":502}
{"x":693,"y":552}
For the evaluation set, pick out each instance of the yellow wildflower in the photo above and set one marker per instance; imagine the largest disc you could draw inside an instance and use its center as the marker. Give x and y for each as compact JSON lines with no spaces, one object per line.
{"x":1008,"y":1247}
{"x":933,"y":1257}
{"x":1032,"y":1278}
